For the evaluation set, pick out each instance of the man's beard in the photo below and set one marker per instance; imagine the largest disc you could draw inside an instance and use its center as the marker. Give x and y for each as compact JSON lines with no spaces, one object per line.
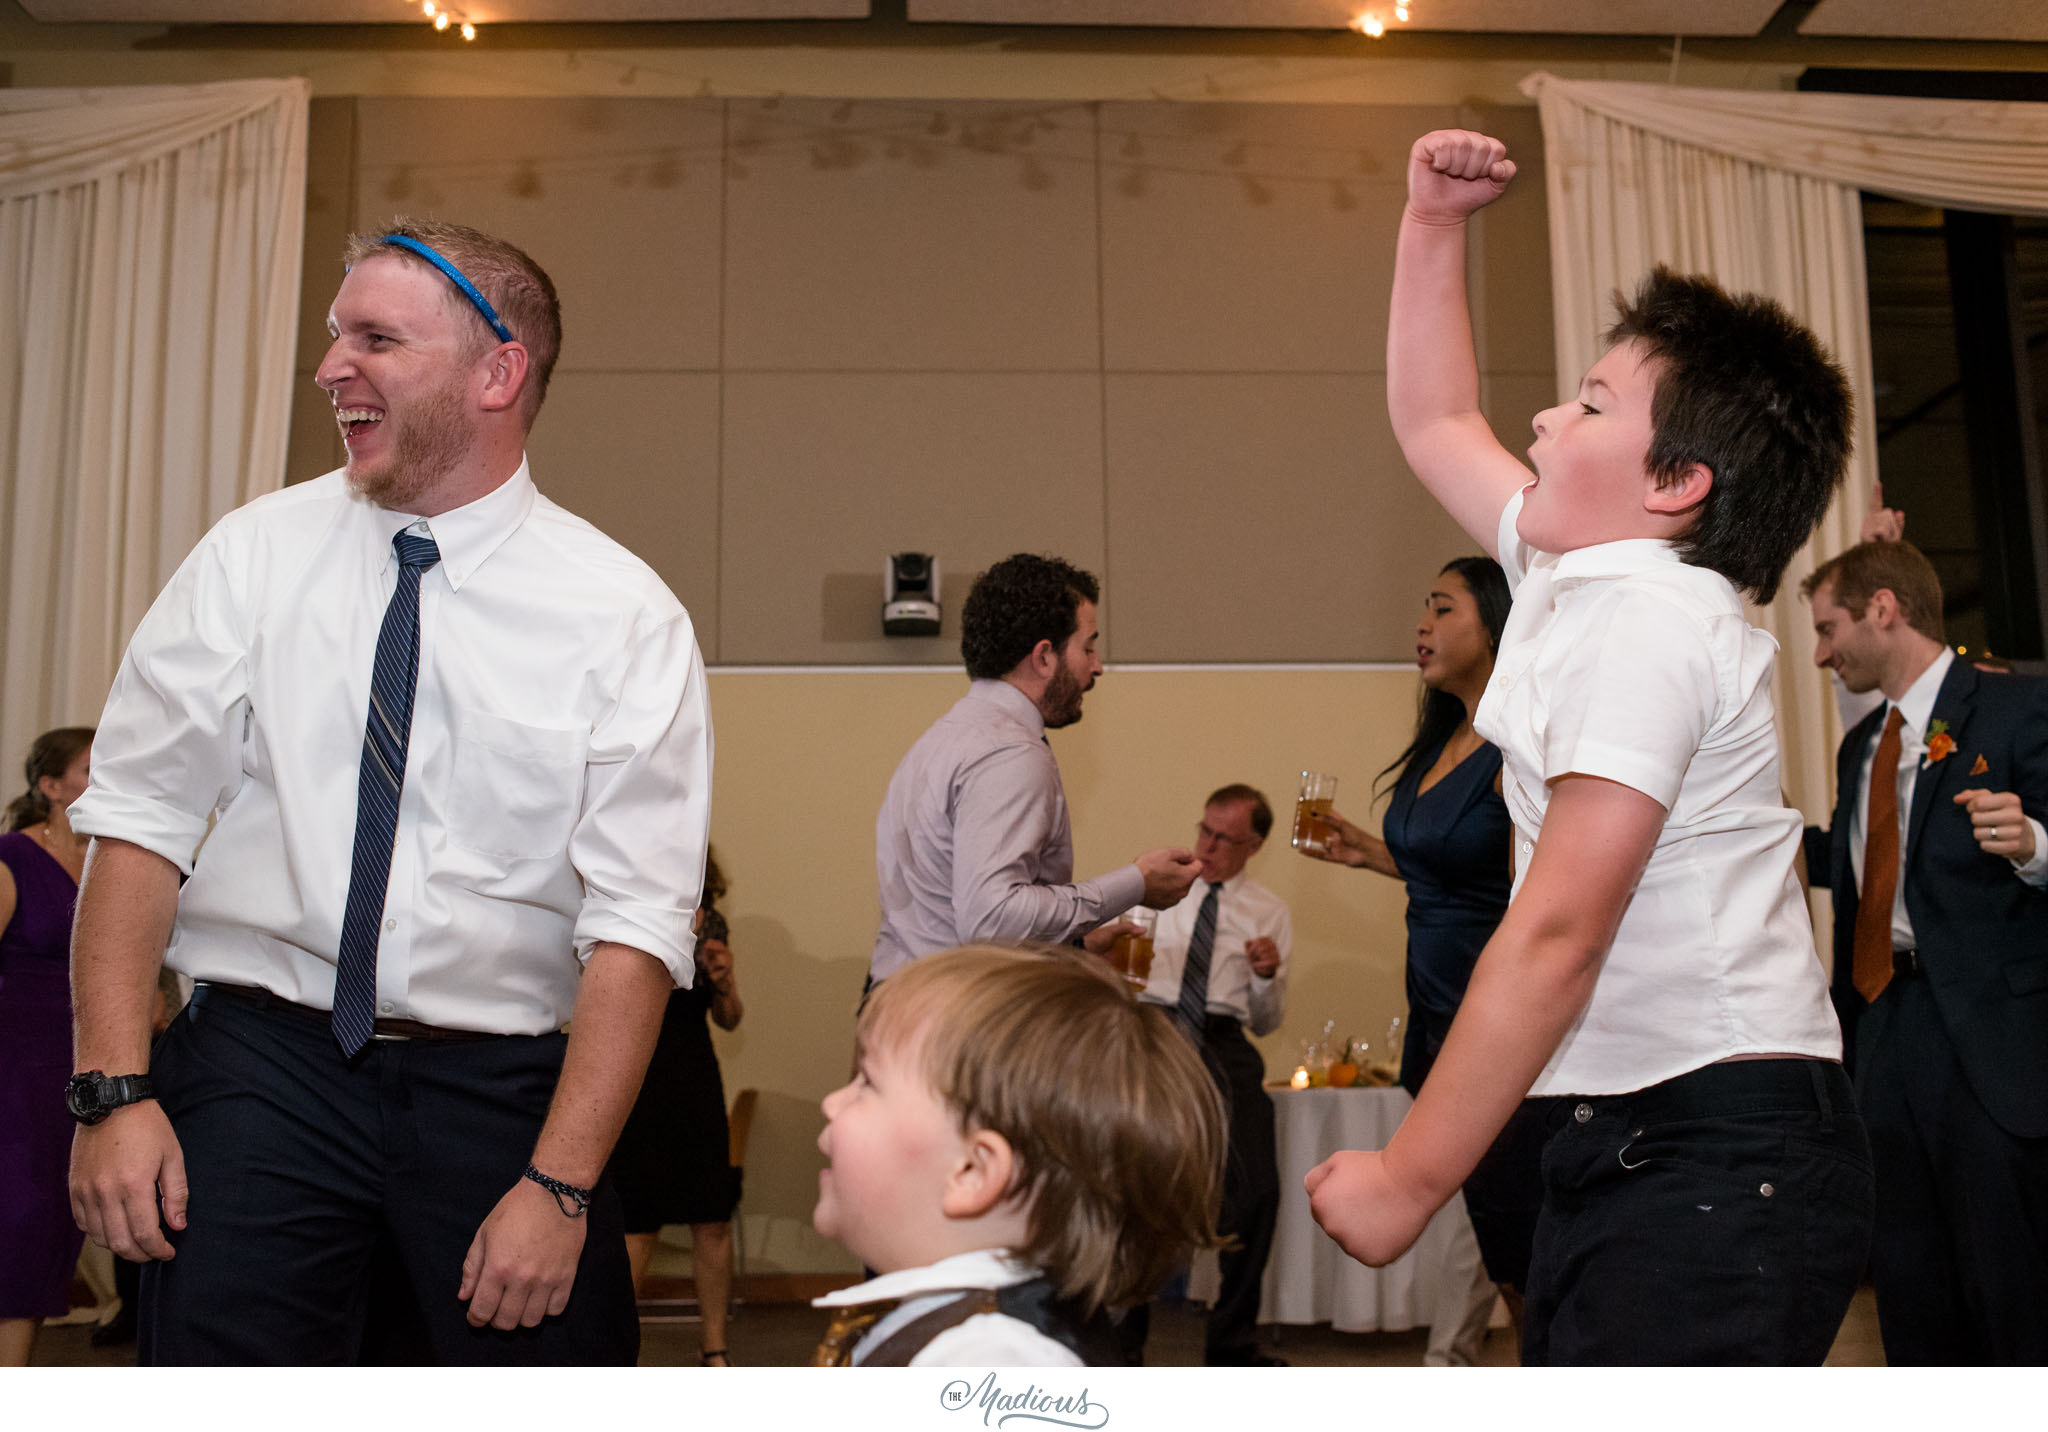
{"x":1061,"y":704}
{"x":424,"y":440}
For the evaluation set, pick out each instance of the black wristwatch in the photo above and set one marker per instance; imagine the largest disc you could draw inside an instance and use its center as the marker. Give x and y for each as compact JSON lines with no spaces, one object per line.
{"x":92,"y":1096}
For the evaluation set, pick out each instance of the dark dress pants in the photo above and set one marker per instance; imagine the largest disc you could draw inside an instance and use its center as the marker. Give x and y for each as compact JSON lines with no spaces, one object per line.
{"x":1721,"y":1217}
{"x":1960,"y":1256}
{"x":1251,"y":1188}
{"x":1251,"y":1202}
{"x":306,"y":1170}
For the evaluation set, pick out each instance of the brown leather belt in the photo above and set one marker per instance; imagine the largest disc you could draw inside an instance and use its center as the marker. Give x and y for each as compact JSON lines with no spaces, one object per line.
{"x":384,"y":1028}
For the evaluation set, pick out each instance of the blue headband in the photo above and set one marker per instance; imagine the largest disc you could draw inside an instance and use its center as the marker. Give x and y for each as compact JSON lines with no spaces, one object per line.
{"x":469,"y":290}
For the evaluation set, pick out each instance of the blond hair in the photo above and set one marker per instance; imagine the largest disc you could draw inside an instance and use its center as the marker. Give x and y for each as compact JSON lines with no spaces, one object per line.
{"x":1117,"y":1128}
{"x":518,"y":288}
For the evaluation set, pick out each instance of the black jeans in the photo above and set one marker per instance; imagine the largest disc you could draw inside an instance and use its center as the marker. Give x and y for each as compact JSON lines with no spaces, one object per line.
{"x":307,"y":1170}
{"x":1720,"y":1217}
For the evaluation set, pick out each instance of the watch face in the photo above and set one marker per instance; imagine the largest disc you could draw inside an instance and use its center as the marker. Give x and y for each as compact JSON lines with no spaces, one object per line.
{"x":85,"y":1096}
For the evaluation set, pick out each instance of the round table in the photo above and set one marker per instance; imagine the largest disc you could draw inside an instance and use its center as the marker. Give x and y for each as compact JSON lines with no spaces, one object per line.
{"x":1309,"y":1279}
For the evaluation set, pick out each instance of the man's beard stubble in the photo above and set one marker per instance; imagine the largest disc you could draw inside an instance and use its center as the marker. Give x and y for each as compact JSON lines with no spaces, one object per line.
{"x":1061,"y":704}
{"x":426,"y":438}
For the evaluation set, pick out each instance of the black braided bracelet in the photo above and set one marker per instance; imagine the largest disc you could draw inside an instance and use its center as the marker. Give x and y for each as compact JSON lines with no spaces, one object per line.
{"x":573,"y":1201}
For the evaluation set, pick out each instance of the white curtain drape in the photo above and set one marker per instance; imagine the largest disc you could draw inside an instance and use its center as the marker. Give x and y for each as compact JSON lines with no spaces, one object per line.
{"x":1758,"y":190}
{"x":149,"y":284}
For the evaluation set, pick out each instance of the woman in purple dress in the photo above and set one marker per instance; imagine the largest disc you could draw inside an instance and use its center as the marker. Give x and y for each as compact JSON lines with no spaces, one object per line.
{"x":40,"y":862}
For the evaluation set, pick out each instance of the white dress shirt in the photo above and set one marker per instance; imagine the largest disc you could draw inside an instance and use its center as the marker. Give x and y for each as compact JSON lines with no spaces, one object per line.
{"x":1916,"y":711}
{"x":984,"y":1340}
{"x":558,"y":777}
{"x":1245,"y":910}
{"x":972,"y":843}
{"x":1623,"y":662}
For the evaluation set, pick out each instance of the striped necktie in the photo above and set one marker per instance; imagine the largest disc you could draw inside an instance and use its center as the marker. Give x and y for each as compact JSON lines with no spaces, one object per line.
{"x":386,"y":734}
{"x":1192,"y":1009}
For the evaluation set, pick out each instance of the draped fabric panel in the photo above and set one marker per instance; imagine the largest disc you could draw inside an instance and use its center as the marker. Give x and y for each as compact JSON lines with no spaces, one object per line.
{"x":149,"y":270}
{"x":1759,"y":190}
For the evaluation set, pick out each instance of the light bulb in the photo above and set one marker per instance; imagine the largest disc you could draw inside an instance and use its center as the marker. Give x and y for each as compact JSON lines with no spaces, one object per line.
{"x":1372,"y":25}
{"x":1401,"y":13}
{"x":468,"y":31}
{"x":441,"y":21}
{"x":429,"y":8}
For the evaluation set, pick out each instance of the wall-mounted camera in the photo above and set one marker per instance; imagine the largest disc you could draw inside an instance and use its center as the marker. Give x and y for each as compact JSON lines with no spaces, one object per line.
{"x":910,"y":601}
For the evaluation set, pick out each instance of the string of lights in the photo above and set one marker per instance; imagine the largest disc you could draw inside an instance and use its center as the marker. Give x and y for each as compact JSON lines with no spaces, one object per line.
{"x":441,"y":17}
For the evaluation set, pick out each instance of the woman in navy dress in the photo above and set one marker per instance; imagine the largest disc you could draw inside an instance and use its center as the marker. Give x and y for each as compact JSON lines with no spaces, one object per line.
{"x":1447,"y":836}
{"x":40,"y":862}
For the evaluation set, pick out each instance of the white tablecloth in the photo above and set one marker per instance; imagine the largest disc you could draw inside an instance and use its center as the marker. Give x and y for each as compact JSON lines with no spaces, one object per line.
{"x":1309,"y":1278}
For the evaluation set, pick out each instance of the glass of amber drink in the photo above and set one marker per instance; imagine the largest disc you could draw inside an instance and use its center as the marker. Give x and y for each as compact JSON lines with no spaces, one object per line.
{"x":1312,"y":826}
{"x":1131,"y":955}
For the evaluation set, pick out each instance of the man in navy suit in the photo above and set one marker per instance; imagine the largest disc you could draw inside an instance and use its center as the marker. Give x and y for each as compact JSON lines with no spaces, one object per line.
{"x":1941,"y":962}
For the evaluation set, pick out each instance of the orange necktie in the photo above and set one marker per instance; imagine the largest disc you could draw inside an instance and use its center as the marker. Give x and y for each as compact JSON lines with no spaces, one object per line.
{"x":1873,"y":942}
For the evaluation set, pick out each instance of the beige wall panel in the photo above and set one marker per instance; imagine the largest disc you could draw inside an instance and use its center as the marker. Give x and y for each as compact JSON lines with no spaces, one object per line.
{"x":803,"y":760}
{"x":1251,"y":237}
{"x":1512,"y":401}
{"x":617,"y":199}
{"x":330,"y":215}
{"x":872,"y":235}
{"x":827,"y":474}
{"x":1511,"y":254}
{"x":637,"y":454}
{"x":314,"y":444}
{"x":1264,"y":518}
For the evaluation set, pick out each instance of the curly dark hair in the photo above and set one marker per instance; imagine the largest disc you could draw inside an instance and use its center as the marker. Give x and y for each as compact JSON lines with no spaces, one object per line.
{"x":1016,"y":604}
{"x":1747,"y":391}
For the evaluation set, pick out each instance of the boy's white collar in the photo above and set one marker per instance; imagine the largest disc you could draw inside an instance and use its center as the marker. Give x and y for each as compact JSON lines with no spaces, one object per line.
{"x":981,"y":1268}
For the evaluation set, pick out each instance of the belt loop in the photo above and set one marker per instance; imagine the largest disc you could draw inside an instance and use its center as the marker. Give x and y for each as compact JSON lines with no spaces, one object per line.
{"x":1818,"y":1069}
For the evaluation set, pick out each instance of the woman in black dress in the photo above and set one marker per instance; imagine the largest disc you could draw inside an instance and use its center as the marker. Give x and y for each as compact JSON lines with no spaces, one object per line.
{"x":673,"y":1162}
{"x":1447,"y":836}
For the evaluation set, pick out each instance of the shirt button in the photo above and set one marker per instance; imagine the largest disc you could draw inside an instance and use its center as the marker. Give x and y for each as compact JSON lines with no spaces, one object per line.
{"x":1583,"y":1113}
{"x":390,"y":924}
{"x":1528,"y":847}
{"x":385,"y":1008}
{"x":1767,"y":1190}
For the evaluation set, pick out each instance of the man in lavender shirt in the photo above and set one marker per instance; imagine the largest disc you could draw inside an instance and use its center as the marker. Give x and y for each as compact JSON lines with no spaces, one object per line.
{"x":973,"y":844}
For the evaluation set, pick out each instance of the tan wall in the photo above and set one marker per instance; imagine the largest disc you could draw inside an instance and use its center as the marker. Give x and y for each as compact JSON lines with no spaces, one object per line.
{"x":803,"y":759}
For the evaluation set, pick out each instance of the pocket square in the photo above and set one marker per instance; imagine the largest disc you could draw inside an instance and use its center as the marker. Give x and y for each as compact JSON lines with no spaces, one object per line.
{"x":1981,"y":767}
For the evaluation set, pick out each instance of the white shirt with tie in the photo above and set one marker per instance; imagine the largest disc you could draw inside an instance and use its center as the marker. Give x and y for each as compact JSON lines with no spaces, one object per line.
{"x":557,"y":787}
{"x":1245,"y":910}
{"x":1916,"y":712}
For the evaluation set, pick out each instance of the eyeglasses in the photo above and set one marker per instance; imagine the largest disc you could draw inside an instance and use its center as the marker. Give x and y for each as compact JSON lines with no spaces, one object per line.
{"x":1203,"y":832}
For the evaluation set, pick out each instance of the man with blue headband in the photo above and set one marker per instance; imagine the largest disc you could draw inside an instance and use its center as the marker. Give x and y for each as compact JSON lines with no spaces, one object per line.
{"x":435,"y":758}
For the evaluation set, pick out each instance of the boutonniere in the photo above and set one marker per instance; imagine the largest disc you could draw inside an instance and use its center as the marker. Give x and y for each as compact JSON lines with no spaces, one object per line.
{"x":1940,"y":745}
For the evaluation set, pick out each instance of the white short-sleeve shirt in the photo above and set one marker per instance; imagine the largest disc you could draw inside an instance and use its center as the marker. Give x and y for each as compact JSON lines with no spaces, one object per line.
{"x":1623,"y":662}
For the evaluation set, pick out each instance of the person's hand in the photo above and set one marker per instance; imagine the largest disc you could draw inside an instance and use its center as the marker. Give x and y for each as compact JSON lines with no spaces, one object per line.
{"x":1168,"y":874}
{"x":1348,"y":844}
{"x":1999,"y":824}
{"x":1453,"y":173}
{"x":1098,"y":940}
{"x":522,"y":1263}
{"x":1361,"y":1207}
{"x":1264,"y":956}
{"x":1881,"y":523}
{"x":119,"y":1168}
{"x":714,"y":957}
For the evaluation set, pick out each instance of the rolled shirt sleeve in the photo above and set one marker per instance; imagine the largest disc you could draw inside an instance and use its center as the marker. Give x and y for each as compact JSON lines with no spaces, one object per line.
{"x":168,"y":751}
{"x":640,"y":839}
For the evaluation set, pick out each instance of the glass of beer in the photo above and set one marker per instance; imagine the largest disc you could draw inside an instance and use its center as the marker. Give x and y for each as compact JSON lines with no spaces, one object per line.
{"x":1131,"y":955}
{"x":1312,"y":827}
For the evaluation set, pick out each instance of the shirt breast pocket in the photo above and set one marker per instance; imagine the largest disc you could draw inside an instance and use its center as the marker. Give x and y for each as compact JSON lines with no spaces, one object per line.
{"x":514,"y":789}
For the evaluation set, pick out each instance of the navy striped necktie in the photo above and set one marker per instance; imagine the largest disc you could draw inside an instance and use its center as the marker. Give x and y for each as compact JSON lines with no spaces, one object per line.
{"x":1192,"y":1009}
{"x":386,"y":734}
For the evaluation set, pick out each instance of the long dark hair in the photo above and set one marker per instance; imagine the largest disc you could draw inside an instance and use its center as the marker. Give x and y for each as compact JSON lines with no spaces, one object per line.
{"x":51,"y":755}
{"x":1439,"y":713}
